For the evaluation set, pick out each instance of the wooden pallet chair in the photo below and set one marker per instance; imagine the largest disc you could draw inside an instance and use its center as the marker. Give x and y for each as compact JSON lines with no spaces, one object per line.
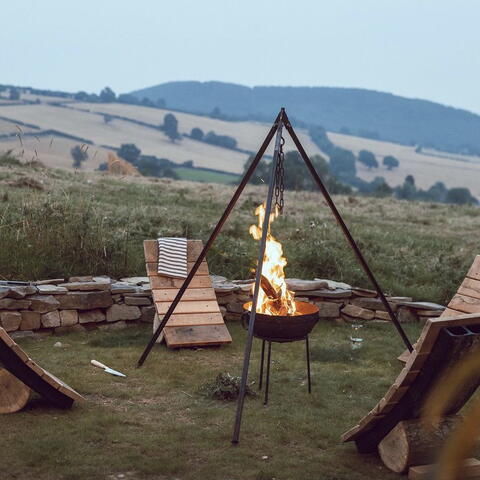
{"x":21,"y":374}
{"x":442,"y":343}
{"x":197,"y":320}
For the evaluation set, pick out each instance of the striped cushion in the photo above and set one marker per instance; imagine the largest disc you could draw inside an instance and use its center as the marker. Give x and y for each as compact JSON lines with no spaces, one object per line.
{"x":172,"y":257}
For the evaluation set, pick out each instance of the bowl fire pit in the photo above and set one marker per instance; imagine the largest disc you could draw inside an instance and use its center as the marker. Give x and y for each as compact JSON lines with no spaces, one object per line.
{"x":283,"y":328}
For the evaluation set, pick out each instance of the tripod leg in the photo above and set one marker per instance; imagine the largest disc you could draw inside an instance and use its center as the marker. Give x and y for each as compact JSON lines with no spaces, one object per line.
{"x":260,"y":380}
{"x":307,"y":346}
{"x":267,"y":383}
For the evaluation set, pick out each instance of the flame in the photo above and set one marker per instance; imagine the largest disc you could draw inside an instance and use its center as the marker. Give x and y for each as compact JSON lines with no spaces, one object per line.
{"x":277,"y":300}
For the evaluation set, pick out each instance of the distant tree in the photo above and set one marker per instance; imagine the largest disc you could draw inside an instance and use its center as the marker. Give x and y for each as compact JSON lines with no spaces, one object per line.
{"x":319,"y":137}
{"x":437,"y":192}
{"x":342,"y":164}
{"x":107,"y":118}
{"x":147,"y":102}
{"x":368,"y":159}
{"x":390,"y":162}
{"x":14,"y":94}
{"x":127,"y":98}
{"x":460,"y":196}
{"x":81,"y":96}
{"x":129,"y":152}
{"x":418,"y":149}
{"x":79,"y":156}
{"x":221,"y":140}
{"x":369,"y":134}
{"x":408,"y":191}
{"x":188,"y":164}
{"x":170,"y":126}
{"x":216,"y":113}
{"x":410,"y":179}
{"x":107,"y":95}
{"x":382,"y":189}
{"x":197,"y":134}
{"x":345,"y":130}
{"x":160,"y":103}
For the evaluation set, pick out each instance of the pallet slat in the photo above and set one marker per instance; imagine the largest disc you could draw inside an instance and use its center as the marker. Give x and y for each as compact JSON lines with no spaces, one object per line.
{"x":189,"y":319}
{"x":465,"y":304}
{"x":190,"y":294}
{"x":193,"y":306}
{"x":474,"y":271}
{"x":160,"y":283}
{"x":199,"y":335}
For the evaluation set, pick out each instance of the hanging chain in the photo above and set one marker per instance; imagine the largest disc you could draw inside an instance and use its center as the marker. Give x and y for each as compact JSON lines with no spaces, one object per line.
{"x":279,"y":174}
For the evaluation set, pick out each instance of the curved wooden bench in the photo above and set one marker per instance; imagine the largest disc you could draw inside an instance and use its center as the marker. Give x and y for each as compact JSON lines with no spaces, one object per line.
{"x":197,"y":320}
{"x":23,"y":368}
{"x":442,"y":343}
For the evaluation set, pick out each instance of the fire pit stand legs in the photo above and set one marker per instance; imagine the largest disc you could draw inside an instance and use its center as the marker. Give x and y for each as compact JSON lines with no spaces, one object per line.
{"x":269,"y":355}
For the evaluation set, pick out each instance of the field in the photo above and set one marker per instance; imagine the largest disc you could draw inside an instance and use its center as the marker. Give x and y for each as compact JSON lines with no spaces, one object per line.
{"x":454,"y":171}
{"x":159,"y":424}
{"x":86,"y":223}
{"x":85,"y":121}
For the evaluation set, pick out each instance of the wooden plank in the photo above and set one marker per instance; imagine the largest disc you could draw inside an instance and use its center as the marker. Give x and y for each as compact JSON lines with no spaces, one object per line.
{"x":193,"y":306}
{"x":470,"y":287}
{"x":474,"y":271}
{"x":190,"y":294}
{"x":449,"y":312}
{"x":152,"y":268}
{"x":465,"y":304}
{"x":159,"y":282}
{"x":189,"y":319}
{"x":150,"y":247}
{"x":202,"y":335}
{"x":471,"y":471}
{"x":20,"y":353}
{"x":6,"y":337}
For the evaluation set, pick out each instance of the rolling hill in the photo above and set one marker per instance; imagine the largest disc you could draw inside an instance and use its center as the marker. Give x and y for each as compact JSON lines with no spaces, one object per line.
{"x":365,"y":112}
{"x":48,"y":131}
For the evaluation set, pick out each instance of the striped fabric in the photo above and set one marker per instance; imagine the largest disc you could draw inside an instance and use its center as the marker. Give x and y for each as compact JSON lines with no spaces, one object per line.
{"x":172,"y":257}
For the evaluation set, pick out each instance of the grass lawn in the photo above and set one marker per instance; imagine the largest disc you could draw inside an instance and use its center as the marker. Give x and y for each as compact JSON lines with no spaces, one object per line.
{"x":197,"y":175}
{"x":158,"y":424}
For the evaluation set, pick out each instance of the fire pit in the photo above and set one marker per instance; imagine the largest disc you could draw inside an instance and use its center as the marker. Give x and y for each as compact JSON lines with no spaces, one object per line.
{"x":283,"y":328}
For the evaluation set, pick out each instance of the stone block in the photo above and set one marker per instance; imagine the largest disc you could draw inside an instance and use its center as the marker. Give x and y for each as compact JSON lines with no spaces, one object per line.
{"x":330,"y":294}
{"x":85,"y":300}
{"x":51,"y":281}
{"x":328,"y":309}
{"x":299,"y":285}
{"x":91,"y":316}
{"x":235,"y":307}
{"x":68,"y":318}
{"x":4,"y":291}
{"x":406,"y":315}
{"x":382,"y":315}
{"x":113,"y":326}
{"x":86,"y":286}
{"x":20,"y":292}
{"x":119,"y":287}
{"x":51,"y":289}
{"x":142,"y":301}
{"x":226,"y":299}
{"x":223,"y":310}
{"x":123,"y":312}
{"x":85,"y":278}
{"x":148,"y":313}
{"x":43,"y":303}
{"x":372,"y":303}
{"x":233,"y":317}
{"x":30,"y":320}
{"x":51,"y":319}
{"x":358,"y":312}
{"x":10,"y":321}
{"x":13,"y":304}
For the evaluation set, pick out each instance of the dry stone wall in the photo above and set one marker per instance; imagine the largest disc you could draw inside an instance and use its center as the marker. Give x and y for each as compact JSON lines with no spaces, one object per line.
{"x":83,"y":303}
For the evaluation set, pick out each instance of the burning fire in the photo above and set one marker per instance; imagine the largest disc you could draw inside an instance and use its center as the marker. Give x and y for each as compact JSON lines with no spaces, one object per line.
{"x":274,"y":298}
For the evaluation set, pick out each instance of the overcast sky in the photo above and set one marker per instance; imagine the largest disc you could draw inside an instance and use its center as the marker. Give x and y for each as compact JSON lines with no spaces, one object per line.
{"x":415,"y":48}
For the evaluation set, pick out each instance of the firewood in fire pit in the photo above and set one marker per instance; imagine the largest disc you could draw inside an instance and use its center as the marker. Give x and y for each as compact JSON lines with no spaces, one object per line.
{"x":268,"y":288}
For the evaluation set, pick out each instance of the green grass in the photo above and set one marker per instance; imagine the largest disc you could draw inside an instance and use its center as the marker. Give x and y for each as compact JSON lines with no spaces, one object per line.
{"x":94,"y":224}
{"x":158,"y":424}
{"x":207,"y":176}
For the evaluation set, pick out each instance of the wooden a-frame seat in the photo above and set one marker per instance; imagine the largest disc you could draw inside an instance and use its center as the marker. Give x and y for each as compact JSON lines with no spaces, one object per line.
{"x":22,"y":367}
{"x":442,"y":343}
{"x":197,"y":320}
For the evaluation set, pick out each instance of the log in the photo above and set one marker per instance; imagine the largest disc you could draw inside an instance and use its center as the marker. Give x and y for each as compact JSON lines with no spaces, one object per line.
{"x":409,"y":443}
{"x":14,"y":394}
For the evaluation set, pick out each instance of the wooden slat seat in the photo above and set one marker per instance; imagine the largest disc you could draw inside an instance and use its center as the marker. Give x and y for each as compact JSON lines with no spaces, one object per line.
{"x":20,"y":365}
{"x":442,"y":343}
{"x":197,"y":320}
